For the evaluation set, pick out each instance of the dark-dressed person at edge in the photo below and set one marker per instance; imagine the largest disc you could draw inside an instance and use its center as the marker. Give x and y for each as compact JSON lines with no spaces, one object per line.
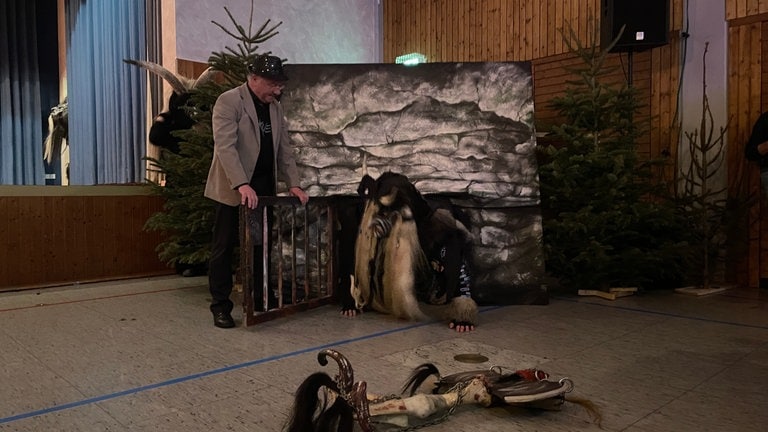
{"x":757,"y":148}
{"x":250,"y":143}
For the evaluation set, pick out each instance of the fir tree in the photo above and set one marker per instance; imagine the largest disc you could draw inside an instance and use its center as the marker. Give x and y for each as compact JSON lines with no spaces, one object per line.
{"x":604,"y":225}
{"x":187,"y":216}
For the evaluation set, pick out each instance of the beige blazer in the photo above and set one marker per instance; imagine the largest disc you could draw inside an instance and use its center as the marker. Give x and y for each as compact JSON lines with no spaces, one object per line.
{"x":236,"y":145}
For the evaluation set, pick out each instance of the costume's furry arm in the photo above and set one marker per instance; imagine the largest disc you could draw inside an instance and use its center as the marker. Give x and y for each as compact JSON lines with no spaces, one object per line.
{"x":365,"y":251}
{"x":402,"y":261}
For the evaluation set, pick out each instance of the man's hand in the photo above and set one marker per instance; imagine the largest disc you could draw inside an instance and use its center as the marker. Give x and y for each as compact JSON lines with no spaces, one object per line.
{"x":762,"y":148}
{"x":300,"y":194}
{"x":248,"y":196}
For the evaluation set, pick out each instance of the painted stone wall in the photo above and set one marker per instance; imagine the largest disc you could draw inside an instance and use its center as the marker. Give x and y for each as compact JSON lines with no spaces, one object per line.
{"x":458,"y":130}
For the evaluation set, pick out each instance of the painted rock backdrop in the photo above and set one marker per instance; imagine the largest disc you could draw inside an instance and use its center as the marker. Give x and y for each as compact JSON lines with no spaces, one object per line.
{"x":458,"y":130}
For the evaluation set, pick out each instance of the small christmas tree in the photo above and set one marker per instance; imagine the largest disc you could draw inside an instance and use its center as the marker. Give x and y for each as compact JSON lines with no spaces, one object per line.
{"x":604,"y":225}
{"x":187,"y":216}
{"x":714,"y":217}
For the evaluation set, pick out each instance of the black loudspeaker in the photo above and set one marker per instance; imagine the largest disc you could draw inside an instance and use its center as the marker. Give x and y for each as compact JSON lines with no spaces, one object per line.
{"x":647,"y":24}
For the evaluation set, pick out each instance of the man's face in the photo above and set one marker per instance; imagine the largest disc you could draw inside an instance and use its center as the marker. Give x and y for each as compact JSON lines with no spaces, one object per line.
{"x":265,"y":89}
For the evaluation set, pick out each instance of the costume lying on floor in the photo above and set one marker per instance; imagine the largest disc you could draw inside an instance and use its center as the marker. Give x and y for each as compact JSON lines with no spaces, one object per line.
{"x":347,"y":401}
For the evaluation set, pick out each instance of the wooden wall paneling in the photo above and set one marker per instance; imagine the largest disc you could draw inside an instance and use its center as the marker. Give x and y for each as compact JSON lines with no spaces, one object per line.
{"x":667,"y":94}
{"x":490,"y":28}
{"x":757,"y":85}
{"x":515,"y":30}
{"x":562,"y":20}
{"x":15,"y":239}
{"x":28,"y":238}
{"x":484,"y":44}
{"x":478,"y":31}
{"x":676,"y":14}
{"x":539,"y":29}
{"x":474,"y":32}
{"x":460,"y":23}
{"x":410,"y":28}
{"x":401,"y":45}
{"x":531,"y":29}
{"x":501,"y":30}
{"x":448,"y":31}
{"x":764,"y":66}
{"x":405,"y":29}
{"x":7,"y":234}
{"x":654,"y":99}
{"x":744,"y":46}
{"x":671,"y":137}
{"x":122,"y":237}
{"x":386,"y":29}
{"x":572,"y":21}
{"x":86,"y":240}
{"x":551,"y":28}
{"x":421,"y":21}
{"x":79,"y":243}
{"x":47,"y":236}
{"x":418,"y":24}
{"x":397,"y":38}
{"x":528,"y":18}
{"x":641,"y":79}
{"x":59,"y":240}
{"x":57,"y":258}
{"x":433,"y":33}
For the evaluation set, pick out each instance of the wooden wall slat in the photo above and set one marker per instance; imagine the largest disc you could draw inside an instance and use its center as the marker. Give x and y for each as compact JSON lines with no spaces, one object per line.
{"x":59,"y":240}
{"x":746,"y":78}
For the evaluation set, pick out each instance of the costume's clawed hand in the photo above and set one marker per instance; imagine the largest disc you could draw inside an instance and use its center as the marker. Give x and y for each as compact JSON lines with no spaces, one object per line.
{"x":350,"y":312}
{"x":461,"y":326}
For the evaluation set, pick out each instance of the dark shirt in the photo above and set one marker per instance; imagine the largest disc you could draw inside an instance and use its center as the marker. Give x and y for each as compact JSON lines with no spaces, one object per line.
{"x":759,"y":135}
{"x":263,"y":179}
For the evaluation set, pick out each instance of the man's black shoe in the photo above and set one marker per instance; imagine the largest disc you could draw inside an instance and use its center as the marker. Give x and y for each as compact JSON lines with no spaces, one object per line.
{"x":223,"y":320}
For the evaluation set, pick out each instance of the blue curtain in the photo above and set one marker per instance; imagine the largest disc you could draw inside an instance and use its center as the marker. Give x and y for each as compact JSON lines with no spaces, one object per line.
{"x":21,"y":130}
{"x":106,"y":96}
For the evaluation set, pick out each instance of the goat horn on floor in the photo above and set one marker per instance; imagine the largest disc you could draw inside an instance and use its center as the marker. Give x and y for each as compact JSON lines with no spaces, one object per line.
{"x":346,"y":377}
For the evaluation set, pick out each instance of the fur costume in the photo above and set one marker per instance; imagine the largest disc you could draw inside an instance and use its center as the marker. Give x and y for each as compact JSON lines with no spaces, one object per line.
{"x":408,"y":251}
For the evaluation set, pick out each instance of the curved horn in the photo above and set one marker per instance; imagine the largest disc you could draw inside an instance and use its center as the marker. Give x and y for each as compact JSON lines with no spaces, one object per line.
{"x":346,"y":376}
{"x":175,"y":82}
{"x":205,"y":77}
{"x":359,"y":397}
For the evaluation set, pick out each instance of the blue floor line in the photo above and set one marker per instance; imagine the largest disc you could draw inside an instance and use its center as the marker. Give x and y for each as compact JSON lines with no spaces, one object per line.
{"x":135,"y":390}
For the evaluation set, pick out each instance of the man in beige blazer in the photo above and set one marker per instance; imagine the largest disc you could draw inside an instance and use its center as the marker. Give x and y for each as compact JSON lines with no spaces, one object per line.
{"x":251,"y":146}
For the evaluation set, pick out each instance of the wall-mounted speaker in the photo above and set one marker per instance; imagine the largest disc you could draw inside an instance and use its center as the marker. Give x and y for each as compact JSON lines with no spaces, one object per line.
{"x":646,"y":21}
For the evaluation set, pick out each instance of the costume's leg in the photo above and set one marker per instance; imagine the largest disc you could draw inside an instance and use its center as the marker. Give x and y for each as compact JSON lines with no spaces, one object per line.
{"x":425,"y":405}
{"x":225,"y":238}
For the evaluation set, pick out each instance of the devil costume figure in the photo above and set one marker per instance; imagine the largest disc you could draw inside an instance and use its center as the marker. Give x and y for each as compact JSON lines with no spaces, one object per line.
{"x":409,"y":252}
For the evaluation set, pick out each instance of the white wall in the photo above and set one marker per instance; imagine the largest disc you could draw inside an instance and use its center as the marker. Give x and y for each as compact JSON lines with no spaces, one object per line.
{"x":313,"y":31}
{"x":706,"y":24}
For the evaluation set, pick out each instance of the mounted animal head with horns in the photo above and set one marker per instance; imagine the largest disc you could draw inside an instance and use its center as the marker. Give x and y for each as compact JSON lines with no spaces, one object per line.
{"x":176,"y":117}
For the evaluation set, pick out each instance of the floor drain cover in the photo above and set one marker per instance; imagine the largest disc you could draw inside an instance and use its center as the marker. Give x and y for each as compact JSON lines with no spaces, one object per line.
{"x":470,"y":358}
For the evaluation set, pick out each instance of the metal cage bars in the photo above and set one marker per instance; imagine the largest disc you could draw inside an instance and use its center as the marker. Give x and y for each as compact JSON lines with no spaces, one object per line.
{"x":297,"y":252}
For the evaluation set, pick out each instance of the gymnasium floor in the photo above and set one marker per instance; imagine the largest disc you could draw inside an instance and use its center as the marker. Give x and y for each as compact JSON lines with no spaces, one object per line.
{"x":143,"y":355}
